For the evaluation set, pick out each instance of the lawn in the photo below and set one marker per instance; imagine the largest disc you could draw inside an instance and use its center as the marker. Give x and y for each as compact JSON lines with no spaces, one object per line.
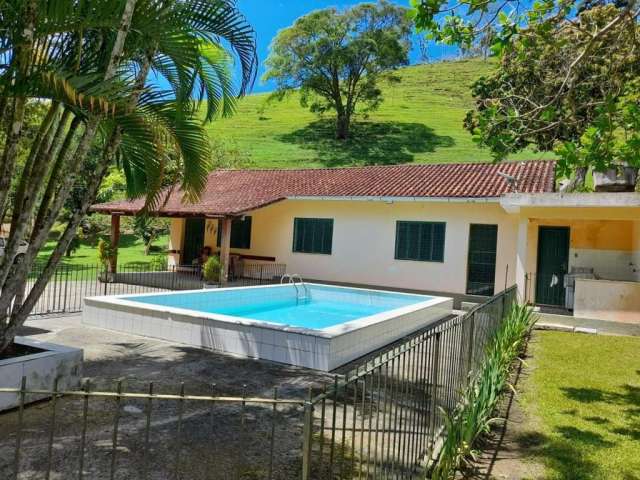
{"x":583,"y":398}
{"x":130,"y":252}
{"x":420,"y":120}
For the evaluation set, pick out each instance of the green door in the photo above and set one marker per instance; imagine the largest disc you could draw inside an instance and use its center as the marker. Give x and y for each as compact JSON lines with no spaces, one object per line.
{"x":193,"y":240}
{"x":481,"y":262}
{"x":553,"y":263}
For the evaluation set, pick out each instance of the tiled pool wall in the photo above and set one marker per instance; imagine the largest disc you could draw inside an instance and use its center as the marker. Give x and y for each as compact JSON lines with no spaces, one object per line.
{"x":296,"y":346}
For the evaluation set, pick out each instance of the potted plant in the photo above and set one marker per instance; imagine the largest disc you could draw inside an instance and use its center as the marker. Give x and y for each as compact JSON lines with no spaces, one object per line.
{"x":211,"y":272}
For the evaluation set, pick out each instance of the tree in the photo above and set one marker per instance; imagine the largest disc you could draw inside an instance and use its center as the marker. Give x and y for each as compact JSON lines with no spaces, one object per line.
{"x":89,"y":62}
{"x":336,"y":58}
{"x":566,"y":80}
{"x":520,"y":105}
{"x":148,"y":229}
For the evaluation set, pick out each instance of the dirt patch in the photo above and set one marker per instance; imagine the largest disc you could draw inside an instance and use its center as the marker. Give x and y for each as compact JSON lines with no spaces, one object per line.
{"x":16,"y":350}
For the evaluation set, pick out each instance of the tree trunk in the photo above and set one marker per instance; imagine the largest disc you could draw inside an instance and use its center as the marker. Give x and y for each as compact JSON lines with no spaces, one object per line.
{"x":343,"y":123}
{"x":22,"y":57}
{"x":11,"y":286}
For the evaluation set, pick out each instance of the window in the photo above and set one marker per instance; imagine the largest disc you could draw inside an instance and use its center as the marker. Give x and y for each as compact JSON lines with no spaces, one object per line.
{"x":312,"y":235}
{"x":481,"y":263}
{"x":423,"y":241}
{"x":240,"y":233}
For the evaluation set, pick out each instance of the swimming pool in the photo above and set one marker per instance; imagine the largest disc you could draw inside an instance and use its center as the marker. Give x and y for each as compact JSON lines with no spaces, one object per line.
{"x":316,"y":326}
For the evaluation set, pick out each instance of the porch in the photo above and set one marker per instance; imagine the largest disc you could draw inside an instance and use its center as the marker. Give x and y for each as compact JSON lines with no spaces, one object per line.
{"x":192,"y":241}
{"x":580,"y":254}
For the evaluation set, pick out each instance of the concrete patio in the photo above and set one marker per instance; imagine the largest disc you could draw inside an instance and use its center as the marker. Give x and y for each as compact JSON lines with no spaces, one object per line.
{"x":213,"y":435}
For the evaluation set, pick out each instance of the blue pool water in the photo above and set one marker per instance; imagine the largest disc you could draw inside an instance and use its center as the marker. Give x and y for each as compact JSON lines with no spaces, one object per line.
{"x":325,"y":306}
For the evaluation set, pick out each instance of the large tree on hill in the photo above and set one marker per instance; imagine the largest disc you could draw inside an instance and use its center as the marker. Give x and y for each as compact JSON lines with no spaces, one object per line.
{"x":336,"y":58}
{"x":88,"y":62}
{"x":567,"y":79}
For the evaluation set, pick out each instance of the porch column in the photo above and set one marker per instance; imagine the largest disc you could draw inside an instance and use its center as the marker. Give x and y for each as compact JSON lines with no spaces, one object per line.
{"x":115,"y":239}
{"x":225,"y":244}
{"x":521,"y":257}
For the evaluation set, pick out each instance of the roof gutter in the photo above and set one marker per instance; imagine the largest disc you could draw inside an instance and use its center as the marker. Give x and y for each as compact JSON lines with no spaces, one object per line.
{"x":392,"y":199}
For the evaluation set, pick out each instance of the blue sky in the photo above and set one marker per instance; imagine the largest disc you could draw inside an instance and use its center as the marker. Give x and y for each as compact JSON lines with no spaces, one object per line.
{"x":269,"y":16}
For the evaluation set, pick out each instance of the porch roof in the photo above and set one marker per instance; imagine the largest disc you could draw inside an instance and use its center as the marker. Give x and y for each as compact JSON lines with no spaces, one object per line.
{"x":514,"y":202}
{"x":235,"y":192}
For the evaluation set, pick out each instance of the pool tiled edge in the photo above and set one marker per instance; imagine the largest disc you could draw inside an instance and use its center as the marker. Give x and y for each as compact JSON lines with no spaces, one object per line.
{"x":324,"y":349}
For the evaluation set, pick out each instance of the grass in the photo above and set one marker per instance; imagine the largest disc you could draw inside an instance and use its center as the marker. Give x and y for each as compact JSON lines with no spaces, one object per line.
{"x":130,"y":252}
{"x":420,"y":120}
{"x":584,"y":393}
{"x":473,"y":416}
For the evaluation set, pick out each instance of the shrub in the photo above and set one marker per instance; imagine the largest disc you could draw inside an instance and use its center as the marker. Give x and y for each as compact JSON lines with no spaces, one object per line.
{"x":159,"y":263}
{"x":104,"y":253}
{"x":211,"y":269}
{"x":474,"y":415}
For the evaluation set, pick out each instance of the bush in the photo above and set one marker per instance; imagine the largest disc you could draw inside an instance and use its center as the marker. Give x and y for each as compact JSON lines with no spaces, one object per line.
{"x":474,"y":415}
{"x":159,"y":263}
{"x":212,"y":269}
{"x":104,"y":253}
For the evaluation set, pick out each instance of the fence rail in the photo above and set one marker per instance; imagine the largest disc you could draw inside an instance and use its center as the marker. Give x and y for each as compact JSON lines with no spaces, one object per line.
{"x":70,"y":284}
{"x":383,"y":418}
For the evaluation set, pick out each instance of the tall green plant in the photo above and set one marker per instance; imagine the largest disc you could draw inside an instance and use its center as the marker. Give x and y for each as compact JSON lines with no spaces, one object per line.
{"x":212,"y":269}
{"x":88,"y":62}
{"x":475,"y":413}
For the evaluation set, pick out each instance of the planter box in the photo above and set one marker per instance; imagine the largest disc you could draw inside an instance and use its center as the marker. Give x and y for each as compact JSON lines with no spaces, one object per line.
{"x":41,"y":368}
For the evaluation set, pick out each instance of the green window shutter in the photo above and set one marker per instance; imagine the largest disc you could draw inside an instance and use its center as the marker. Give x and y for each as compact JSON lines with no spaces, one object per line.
{"x":240,"y":233}
{"x":422,"y":241}
{"x":312,"y":235}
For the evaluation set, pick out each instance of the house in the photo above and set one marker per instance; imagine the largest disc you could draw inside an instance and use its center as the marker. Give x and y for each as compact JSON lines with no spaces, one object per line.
{"x":452,"y":229}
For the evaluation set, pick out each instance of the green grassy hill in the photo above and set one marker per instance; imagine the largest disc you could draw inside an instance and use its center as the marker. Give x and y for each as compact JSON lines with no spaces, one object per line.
{"x":419,"y":121}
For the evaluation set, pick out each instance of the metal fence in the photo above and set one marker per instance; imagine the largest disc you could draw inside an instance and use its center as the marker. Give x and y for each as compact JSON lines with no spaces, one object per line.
{"x":150,"y":435}
{"x":385,"y":417}
{"x":382,"y":418}
{"x":70,"y":284}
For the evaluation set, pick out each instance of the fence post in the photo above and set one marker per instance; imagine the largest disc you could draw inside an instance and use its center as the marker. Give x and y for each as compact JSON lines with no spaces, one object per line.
{"x":472,"y":328}
{"x":504,"y":297}
{"x":23,"y":388}
{"x":307,"y":440}
{"x":435,"y":373}
{"x":66,"y":288}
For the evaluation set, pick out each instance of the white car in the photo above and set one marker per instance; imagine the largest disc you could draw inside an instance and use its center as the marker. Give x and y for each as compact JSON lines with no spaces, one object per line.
{"x":22,"y":248}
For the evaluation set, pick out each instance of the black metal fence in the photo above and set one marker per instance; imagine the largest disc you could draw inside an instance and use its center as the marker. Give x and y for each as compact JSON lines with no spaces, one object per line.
{"x":70,"y":284}
{"x":384,"y":418}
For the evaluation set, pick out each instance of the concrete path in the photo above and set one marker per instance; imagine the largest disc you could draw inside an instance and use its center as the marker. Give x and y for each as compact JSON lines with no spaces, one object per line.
{"x":549,"y":321}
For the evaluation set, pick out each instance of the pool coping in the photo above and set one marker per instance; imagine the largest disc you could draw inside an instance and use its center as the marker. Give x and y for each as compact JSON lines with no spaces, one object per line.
{"x":330,"y":332}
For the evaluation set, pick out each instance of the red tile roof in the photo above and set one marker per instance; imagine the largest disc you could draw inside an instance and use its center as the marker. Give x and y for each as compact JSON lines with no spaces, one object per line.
{"x":233,"y":192}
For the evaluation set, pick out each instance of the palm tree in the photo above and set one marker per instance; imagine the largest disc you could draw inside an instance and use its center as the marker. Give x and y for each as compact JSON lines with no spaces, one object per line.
{"x":89,"y":61}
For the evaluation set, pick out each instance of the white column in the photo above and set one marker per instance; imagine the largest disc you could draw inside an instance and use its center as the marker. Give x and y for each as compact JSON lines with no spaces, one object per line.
{"x":521,"y":255}
{"x":225,"y":244}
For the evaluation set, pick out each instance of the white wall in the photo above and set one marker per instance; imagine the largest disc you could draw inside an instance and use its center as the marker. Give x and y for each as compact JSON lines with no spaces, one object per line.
{"x":176,"y":234}
{"x":364,"y":242}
